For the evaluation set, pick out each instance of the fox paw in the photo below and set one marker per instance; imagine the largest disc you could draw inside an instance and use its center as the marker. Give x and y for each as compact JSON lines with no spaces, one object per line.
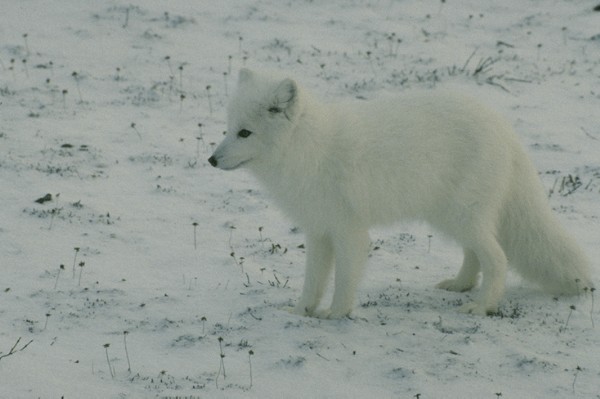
{"x":322,"y":314}
{"x":455,"y":285}
{"x":299,"y":310}
{"x":478,"y":309}
{"x":304,"y":312}
{"x":331,"y":314}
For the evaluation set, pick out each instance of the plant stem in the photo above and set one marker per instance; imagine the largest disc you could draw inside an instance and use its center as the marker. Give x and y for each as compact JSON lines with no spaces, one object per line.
{"x":46,"y":323}
{"x":195,"y":224}
{"x":110,"y":369}
{"x":58,"y":275}
{"x":75,"y":260}
{"x":250,"y":353}
{"x":221,"y":364}
{"x":209,"y":99}
{"x":126,"y":351}
{"x":81,"y":264}
{"x":592,"y":308}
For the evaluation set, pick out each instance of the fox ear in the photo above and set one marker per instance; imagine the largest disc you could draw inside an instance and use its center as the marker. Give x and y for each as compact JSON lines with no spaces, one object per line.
{"x":245,"y":75}
{"x":286,"y":96}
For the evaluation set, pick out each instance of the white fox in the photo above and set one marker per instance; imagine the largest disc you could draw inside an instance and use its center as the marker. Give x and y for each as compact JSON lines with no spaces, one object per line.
{"x":338,"y":169}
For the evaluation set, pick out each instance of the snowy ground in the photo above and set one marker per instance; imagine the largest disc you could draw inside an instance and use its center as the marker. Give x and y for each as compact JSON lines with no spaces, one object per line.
{"x":113,"y":108}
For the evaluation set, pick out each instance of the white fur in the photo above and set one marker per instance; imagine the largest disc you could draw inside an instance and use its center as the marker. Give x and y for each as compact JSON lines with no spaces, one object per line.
{"x":338,"y":169}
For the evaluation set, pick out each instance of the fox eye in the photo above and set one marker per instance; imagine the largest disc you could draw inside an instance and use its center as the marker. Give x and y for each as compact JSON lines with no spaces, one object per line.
{"x":244,"y":133}
{"x":274,"y":110}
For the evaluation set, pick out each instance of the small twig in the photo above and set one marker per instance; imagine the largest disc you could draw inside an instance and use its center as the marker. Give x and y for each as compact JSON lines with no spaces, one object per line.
{"x":221,"y":364}
{"x":203,"y":320}
{"x":14,"y":349}
{"x":126,"y":351}
{"x":62,"y":267}
{"x":25,"y":67}
{"x":518,"y":80}
{"x":135,"y":129}
{"x":253,"y":316}
{"x":250,"y":354}
{"x":76,"y":77}
{"x":368,"y":53}
{"x":502,"y":43}
{"x":569,"y":181}
{"x":26,"y":43}
{"x":484,"y":65}
{"x":592,"y":308}
{"x":195,"y":224}
{"x":572,"y":308}
{"x":75,"y":260}
{"x":168,"y":59}
{"x":493,"y":82}
{"x":64,"y":98}
{"x":588,"y":134}
{"x":126,"y":18}
{"x":239,"y":262}
{"x":81,"y":265}
{"x":464,"y":67}
{"x":46,"y":322}
{"x":577,"y":370}
{"x":193,"y":280}
{"x":181,"y":98}
{"x":553,"y":187}
{"x":108,"y":361}
{"x":209,"y":99}
{"x":180,"y":77}
{"x":53,"y":212}
{"x":199,"y":138}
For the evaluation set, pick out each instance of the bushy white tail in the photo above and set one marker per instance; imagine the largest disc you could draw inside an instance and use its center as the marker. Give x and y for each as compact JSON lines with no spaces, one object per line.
{"x":536,"y":244}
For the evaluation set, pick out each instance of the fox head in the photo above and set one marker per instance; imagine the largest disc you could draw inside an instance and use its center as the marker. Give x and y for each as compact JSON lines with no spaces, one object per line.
{"x":261,"y":117}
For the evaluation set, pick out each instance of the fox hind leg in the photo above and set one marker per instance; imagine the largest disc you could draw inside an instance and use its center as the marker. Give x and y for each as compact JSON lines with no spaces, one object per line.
{"x":493,"y":264}
{"x":466,"y":278}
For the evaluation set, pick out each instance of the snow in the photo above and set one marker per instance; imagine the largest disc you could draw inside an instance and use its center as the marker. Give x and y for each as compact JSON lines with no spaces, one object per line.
{"x":100,"y":106}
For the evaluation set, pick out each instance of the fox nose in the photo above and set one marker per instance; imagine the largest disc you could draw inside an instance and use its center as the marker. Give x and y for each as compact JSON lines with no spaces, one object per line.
{"x":213,"y":161}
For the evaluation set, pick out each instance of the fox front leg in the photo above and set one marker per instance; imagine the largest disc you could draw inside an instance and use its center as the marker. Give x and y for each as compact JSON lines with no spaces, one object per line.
{"x":351,"y":250}
{"x":319,"y":262}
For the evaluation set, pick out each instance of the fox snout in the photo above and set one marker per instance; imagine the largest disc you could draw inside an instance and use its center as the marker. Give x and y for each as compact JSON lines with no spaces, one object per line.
{"x":218,"y":161}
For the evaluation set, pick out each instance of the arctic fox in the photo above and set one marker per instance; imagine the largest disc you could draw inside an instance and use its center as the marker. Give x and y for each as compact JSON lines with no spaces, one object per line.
{"x":338,"y":169}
